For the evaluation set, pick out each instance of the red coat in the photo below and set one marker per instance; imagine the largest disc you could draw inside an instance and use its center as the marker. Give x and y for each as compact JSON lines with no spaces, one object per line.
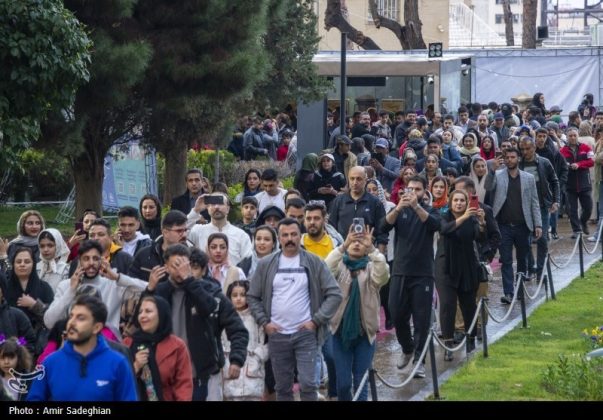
{"x":174,"y":363}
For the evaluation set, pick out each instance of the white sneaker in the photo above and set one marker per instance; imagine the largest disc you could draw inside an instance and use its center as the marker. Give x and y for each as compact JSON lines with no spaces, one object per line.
{"x":592,"y":239}
{"x":404,"y":360}
{"x":420,"y":373}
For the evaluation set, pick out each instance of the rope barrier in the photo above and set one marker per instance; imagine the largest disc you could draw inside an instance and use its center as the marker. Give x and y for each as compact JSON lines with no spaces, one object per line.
{"x":504,"y":318}
{"x":540,"y":283}
{"x":463,"y":341}
{"x":569,"y":259}
{"x":596,"y":243}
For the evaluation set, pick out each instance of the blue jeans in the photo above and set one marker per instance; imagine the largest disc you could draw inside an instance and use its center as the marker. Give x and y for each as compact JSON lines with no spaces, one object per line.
{"x":327,"y":352}
{"x":518,"y":236}
{"x":351,"y":365}
{"x":542,"y":244}
{"x":288,"y":351}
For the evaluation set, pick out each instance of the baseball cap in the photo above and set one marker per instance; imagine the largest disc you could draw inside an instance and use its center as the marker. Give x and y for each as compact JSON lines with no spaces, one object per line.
{"x":382,"y":143}
{"x":523,"y":128}
{"x":344,"y":140}
{"x":552,"y":125}
{"x":499,"y":116}
{"x":327,"y":155}
{"x":555,"y":108}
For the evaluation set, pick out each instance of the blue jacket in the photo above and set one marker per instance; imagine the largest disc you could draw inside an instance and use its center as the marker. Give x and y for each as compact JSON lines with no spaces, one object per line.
{"x":103,"y":375}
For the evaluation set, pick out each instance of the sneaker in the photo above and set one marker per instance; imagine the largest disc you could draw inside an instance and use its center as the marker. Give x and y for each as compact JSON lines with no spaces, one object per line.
{"x":506,"y":299}
{"x":554,"y":235}
{"x":592,"y":239}
{"x":404,"y":360}
{"x":585,"y":230}
{"x":420,"y":373}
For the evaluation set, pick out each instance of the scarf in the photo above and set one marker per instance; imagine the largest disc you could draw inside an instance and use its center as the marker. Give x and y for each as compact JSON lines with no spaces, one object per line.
{"x":469,"y":152}
{"x":351,"y":328}
{"x":62,"y":250}
{"x":150,"y":380}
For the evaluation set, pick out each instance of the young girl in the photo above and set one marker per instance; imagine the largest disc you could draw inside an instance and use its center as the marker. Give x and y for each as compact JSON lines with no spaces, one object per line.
{"x":52,"y":267}
{"x":250,"y":384}
{"x":13,"y":355}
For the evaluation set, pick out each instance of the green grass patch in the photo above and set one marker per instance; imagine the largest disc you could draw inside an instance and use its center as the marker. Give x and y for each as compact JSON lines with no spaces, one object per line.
{"x":516,"y":363}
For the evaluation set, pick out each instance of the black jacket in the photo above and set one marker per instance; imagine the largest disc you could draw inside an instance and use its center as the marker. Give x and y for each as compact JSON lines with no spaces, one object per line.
{"x":344,"y":209}
{"x":208,"y":312}
{"x":548,"y":184}
{"x":488,"y":248}
{"x":322,"y":179}
{"x":14,"y":323}
{"x":182,"y":203}
{"x":550,"y":152}
{"x":147,"y":257}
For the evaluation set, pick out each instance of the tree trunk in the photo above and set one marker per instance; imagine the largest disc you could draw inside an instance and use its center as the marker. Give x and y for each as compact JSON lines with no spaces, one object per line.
{"x":508,"y":16}
{"x":413,"y":25}
{"x":88,"y":175}
{"x":528,"y":39}
{"x":175,"y":171}
{"x":334,"y":19}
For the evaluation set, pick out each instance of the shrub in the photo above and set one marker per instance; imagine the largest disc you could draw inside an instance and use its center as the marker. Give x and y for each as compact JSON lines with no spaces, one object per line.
{"x":576,"y":378}
{"x":594,"y":337}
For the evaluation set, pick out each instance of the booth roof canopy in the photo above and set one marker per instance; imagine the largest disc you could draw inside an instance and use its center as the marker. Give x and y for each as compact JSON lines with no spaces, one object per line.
{"x":373,"y":63}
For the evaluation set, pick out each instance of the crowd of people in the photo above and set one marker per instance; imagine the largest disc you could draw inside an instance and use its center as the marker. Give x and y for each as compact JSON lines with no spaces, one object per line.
{"x":206,"y":303}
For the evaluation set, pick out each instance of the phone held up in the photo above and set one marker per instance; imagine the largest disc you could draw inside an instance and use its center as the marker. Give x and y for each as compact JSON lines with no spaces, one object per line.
{"x":213,"y":199}
{"x":79,"y":229}
{"x":358,"y":225}
{"x":474,"y":202}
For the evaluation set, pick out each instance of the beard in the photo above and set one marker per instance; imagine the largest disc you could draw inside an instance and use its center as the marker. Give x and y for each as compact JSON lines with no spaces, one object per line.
{"x":315,"y":231}
{"x":86,"y":276}
{"x":81,"y":338}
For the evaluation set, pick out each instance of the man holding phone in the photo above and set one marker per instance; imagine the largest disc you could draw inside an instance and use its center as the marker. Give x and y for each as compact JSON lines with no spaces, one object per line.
{"x":218,"y":205}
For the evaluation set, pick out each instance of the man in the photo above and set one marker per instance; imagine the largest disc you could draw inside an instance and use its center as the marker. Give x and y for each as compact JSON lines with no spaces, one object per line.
{"x":199,"y":314}
{"x":349,"y":123}
{"x":549,"y":196}
{"x":150,"y":259}
{"x":85,"y":368}
{"x":435,"y":148}
{"x":344,"y":159}
{"x":253,"y":141}
{"x":194,"y":188}
{"x":93,"y":269}
{"x":579,"y":157}
{"x":484,"y":130}
{"x":358,"y":203}
{"x":363,"y":126}
{"x":128,"y":235}
{"x":515,"y":206}
{"x":412,"y":280}
{"x":464,"y":122}
{"x":293,"y":296}
{"x":386,"y":167}
{"x":449,"y":125}
{"x":295,"y":210}
{"x":498,"y":128}
{"x":271,"y":195}
{"x":403,"y":128}
{"x":317,"y":239}
{"x":239,"y":244}
{"x":100,"y":231}
{"x":249,"y":215}
{"x":381,"y":128}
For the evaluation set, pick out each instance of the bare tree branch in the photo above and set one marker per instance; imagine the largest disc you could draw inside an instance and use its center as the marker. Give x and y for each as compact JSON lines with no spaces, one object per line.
{"x":409,"y":35}
{"x":508,"y":23}
{"x":334,"y":19}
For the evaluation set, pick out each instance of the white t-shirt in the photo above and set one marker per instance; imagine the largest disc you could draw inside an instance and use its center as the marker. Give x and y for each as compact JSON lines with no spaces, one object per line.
{"x":266,"y":200}
{"x":290,"y":295}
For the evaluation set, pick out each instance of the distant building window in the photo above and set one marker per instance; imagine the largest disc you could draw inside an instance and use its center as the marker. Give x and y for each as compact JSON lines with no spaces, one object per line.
{"x":510,"y":1}
{"x":500,"y":19}
{"x":387,"y":8}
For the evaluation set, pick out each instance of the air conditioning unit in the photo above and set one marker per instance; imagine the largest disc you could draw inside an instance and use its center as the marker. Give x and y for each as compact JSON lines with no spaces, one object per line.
{"x":596,"y":35}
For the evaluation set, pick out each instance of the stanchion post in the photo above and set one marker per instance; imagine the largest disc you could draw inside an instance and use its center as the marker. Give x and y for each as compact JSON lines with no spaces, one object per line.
{"x":581,"y":254}
{"x":373,"y":384}
{"x":434,"y":369}
{"x":546,"y":288}
{"x":522,"y":301}
{"x":484,"y":329}
{"x":549,"y":275}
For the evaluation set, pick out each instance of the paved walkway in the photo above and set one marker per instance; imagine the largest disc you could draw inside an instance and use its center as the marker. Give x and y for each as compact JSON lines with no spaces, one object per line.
{"x":388,"y":349}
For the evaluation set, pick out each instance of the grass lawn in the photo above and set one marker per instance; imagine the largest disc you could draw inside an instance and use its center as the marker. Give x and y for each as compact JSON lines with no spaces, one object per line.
{"x":514,"y":368}
{"x":9,"y":216}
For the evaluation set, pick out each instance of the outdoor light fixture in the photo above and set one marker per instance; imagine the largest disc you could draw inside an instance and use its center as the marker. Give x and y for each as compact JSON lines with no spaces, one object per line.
{"x":464,"y":69}
{"x":435,"y":50}
{"x":430,"y":79}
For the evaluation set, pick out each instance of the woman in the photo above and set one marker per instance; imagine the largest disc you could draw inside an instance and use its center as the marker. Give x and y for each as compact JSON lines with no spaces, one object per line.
{"x":439,"y":192}
{"x":431,"y":169}
{"x":487,"y":148}
{"x":29,"y":226}
{"x":219,"y":266}
{"x":162,"y":363}
{"x":470,"y":148}
{"x":361,"y":270}
{"x":150,"y":216}
{"x":88,"y":217}
{"x":457,"y":265}
{"x":598,"y":179}
{"x":479,"y":170}
{"x":25,"y":290}
{"x":52,"y":267}
{"x":251,"y":185}
{"x":264,"y":243}
{"x":406,"y":173}
{"x":305,"y":176}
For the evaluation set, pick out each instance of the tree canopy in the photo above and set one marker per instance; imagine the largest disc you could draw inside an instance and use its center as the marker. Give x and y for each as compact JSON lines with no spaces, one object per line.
{"x":44,"y":55}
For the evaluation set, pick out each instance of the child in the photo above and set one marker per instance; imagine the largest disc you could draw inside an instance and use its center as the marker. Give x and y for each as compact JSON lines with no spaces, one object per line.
{"x":250,"y":384}
{"x":13,"y":355}
{"x":52,"y":267}
{"x":283,"y":149}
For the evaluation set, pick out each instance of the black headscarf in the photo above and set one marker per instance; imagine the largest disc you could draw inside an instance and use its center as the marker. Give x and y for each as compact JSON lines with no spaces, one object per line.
{"x":141,"y":338}
{"x":151,"y":227}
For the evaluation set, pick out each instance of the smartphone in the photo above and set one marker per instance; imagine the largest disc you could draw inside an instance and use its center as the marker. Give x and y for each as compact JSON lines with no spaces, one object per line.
{"x":358,"y":225}
{"x":473,"y":201}
{"x":214,"y":199}
{"x":498,"y":154}
{"x":79,"y":229}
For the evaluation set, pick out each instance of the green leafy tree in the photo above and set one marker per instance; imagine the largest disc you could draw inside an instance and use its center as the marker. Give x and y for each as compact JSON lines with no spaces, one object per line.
{"x":207,"y":54}
{"x":291,"y":42}
{"x":44,"y":55}
{"x":109,"y":105}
